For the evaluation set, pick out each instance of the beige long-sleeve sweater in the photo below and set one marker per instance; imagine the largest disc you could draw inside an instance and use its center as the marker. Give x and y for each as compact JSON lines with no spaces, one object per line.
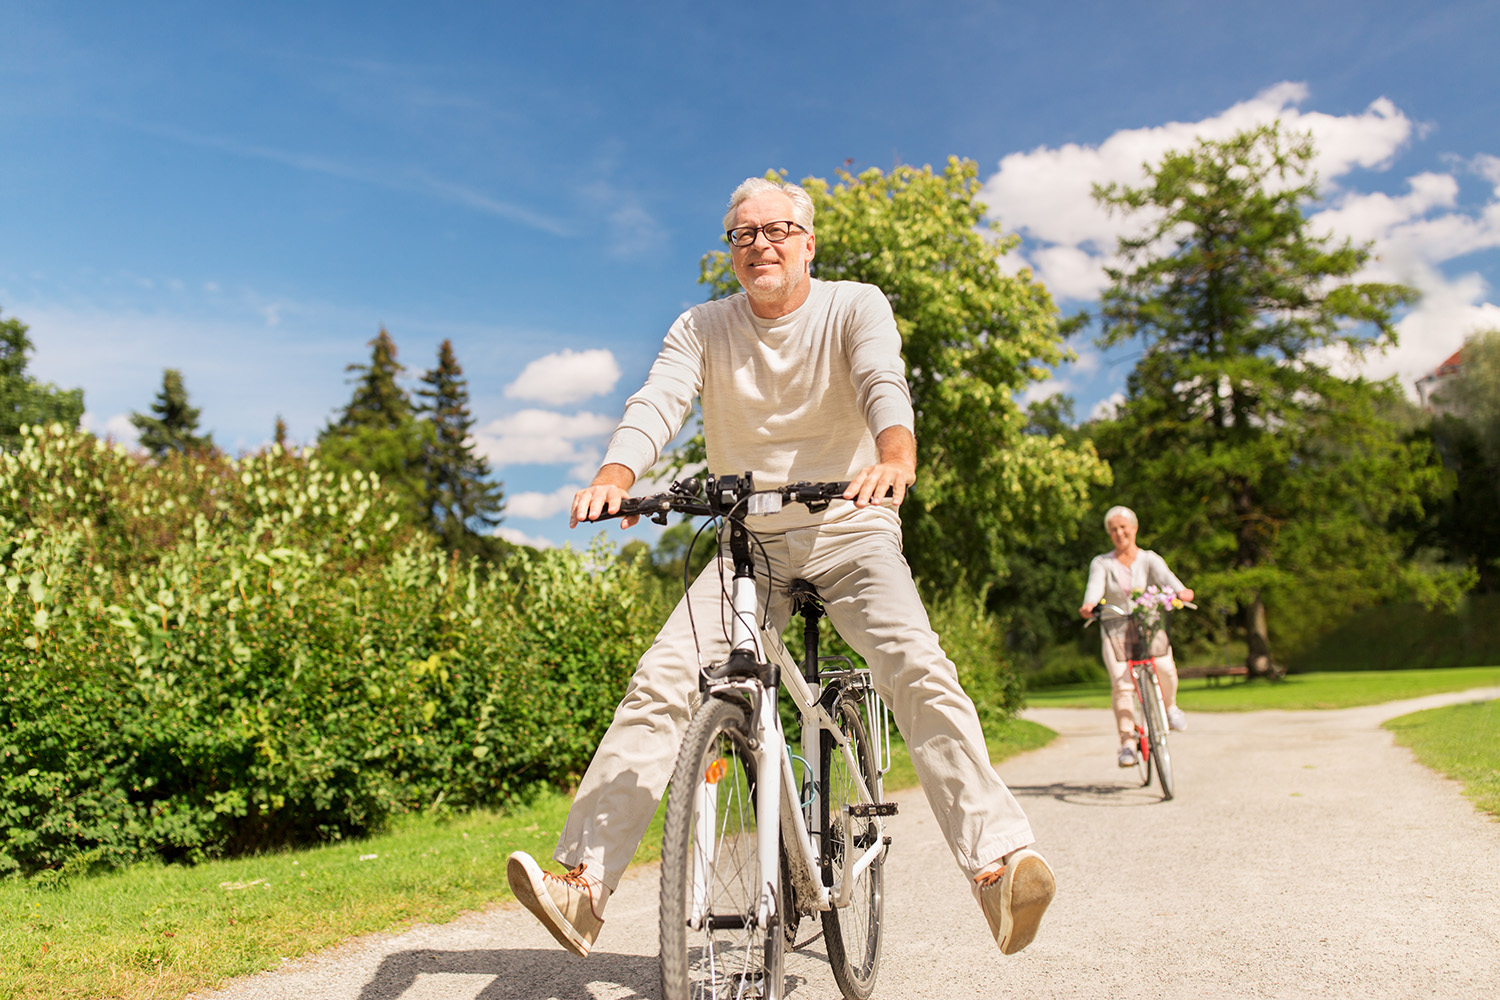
{"x":801,"y":397}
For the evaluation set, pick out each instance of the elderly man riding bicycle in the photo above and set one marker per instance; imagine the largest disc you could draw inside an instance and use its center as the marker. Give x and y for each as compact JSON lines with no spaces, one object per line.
{"x":799,"y":379}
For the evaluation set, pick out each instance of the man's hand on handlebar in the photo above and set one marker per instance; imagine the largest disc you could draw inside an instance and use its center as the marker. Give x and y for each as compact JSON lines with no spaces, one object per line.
{"x":609,"y":489}
{"x":895,"y":469}
{"x":881,"y":483}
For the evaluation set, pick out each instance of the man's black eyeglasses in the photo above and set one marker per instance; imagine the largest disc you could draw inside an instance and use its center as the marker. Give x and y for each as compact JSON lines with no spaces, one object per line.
{"x":776,"y":232}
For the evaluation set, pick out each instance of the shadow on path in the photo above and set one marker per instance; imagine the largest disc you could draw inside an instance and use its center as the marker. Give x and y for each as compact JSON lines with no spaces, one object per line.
{"x":1109,"y":795}
{"x":520,"y":972}
{"x":543,"y":972}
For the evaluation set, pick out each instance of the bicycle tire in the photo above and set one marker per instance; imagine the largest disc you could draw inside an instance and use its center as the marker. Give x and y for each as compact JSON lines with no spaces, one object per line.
{"x":1156,"y":730}
{"x":1142,"y":743}
{"x":852,"y":933}
{"x":715,"y":948}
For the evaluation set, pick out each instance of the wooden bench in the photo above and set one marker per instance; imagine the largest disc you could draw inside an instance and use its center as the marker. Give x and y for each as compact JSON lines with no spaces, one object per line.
{"x":1212,"y":674}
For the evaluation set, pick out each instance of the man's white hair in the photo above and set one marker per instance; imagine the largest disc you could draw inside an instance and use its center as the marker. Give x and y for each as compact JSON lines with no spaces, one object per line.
{"x":1118,"y":511}
{"x":802,"y":205}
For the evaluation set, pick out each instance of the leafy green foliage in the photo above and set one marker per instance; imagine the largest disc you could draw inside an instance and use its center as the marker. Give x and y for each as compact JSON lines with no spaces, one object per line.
{"x":1276,"y":479}
{"x":972,"y":337}
{"x":205,"y":657}
{"x":23,"y":400}
{"x":1467,"y":436}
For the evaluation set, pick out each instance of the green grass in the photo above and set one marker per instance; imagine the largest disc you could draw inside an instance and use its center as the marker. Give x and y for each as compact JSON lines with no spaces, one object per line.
{"x":1460,"y":742}
{"x":161,"y":932}
{"x":1339,"y":689}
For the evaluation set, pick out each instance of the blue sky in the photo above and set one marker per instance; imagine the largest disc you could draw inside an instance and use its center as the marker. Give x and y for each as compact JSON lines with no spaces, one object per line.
{"x":249,"y":192}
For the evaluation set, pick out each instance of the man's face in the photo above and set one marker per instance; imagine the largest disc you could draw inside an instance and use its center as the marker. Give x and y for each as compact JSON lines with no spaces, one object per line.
{"x":772,"y":274}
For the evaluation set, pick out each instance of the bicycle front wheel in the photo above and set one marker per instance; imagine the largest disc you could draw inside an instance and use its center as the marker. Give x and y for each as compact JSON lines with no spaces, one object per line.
{"x":1142,"y":741}
{"x":713,"y":944}
{"x":851,"y":932}
{"x":1156,"y":731}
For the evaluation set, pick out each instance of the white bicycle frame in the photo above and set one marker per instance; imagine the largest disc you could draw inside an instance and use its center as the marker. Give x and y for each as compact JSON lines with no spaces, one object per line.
{"x":776,"y":790}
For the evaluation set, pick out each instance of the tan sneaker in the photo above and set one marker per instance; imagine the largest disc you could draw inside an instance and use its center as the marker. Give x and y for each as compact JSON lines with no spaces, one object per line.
{"x":567,"y":905}
{"x":1014,"y":897}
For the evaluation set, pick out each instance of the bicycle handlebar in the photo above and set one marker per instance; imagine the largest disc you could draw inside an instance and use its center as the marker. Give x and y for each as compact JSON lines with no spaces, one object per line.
{"x":1118,"y":612}
{"x":721,"y":496}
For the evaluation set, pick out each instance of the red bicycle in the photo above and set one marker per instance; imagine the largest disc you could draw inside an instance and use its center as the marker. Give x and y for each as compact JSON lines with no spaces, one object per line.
{"x":1150,"y":709}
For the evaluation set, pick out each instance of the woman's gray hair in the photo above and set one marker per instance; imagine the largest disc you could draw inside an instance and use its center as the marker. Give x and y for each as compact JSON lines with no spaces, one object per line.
{"x":1118,"y":511}
{"x":802,"y":205}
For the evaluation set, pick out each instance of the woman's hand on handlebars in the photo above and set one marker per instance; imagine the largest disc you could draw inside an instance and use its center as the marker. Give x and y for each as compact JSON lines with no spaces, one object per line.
{"x":1088,"y":611}
{"x":603,"y":496}
{"x":1185,"y":595}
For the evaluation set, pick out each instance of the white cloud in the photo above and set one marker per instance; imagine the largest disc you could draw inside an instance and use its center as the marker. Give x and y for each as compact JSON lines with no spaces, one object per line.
{"x":117,"y":428}
{"x":1450,"y":310}
{"x":536,"y":506}
{"x":542,"y":437}
{"x":1105,"y":408}
{"x":1038,"y":391}
{"x":566,"y":377}
{"x":1046,"y":196}
{"x":521,"y":538}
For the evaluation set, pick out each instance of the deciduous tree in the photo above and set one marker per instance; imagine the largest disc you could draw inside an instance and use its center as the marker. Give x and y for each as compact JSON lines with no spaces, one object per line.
{"x":1467,"y":436}
{"x":24,"y":400}
{"x":1275,"y":477}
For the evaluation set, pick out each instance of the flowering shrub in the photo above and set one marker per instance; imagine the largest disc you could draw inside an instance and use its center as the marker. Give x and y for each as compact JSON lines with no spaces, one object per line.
{"x":204,"y":656}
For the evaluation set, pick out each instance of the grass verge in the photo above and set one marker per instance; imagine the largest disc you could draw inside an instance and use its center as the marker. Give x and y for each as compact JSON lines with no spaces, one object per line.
{"x":1340,"y":689}
{"x":163,"y":932}
{"x":1459,"y":742}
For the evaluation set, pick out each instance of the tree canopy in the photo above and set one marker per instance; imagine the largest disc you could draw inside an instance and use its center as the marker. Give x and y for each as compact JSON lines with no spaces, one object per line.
{"x":23,"y":400}
{"x":1467,"y":435}
{"x":1276,"y":477}
{"x":973,"y":337}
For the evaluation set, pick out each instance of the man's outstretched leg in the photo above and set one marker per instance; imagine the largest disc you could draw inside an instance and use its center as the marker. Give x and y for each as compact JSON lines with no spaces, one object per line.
{"x":625,"y":781}
{"x":874,"y":604}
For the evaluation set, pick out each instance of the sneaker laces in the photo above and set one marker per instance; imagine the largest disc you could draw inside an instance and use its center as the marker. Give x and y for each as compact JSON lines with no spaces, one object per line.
{"x":987,"y":879}
{"x":575,"y":879}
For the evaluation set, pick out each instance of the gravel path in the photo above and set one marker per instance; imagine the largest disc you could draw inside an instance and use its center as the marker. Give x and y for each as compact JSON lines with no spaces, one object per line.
{"x":1306,"y":855}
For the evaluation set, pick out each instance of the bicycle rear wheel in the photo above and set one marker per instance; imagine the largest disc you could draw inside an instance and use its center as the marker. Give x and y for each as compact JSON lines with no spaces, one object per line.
{"x":1156,"y":731}
{"x":712,"y":943}
{"x":851,"y":932}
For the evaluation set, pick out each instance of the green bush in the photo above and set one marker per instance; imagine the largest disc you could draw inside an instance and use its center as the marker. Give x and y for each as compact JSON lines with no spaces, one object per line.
{"x":1409,"y":636}
{"x":203,"y":656}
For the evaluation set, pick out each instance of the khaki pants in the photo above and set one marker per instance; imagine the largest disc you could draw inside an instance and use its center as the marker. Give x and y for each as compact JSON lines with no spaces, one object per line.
{"x":871,"y":600}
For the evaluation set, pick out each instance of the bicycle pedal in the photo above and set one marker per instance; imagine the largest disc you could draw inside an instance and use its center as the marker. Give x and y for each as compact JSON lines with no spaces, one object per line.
{"x":872,"y":809}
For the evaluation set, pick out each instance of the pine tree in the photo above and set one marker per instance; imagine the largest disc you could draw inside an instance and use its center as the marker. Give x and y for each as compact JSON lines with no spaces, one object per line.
{"x":378,"y":431}
{"x":460,"y":499}
{"x":23,"y":400}
{"x":173,"y":425}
